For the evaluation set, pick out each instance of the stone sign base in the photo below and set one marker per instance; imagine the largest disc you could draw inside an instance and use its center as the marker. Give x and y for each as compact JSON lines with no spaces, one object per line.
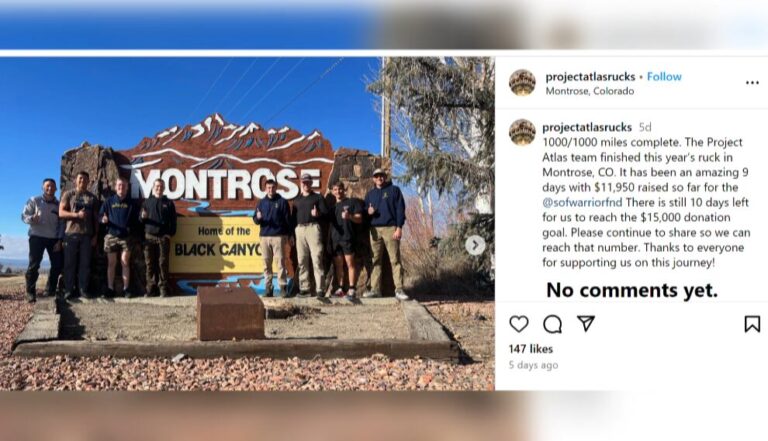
{"x":419,"y":333}
{"x":229,"y":314}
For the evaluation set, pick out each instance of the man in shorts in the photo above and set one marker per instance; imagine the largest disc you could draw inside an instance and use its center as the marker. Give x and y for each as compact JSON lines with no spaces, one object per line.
{"x":342,"y":240}
{"x":119,"y":214}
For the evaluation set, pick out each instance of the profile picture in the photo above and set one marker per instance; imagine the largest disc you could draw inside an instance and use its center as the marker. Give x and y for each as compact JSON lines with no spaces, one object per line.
{"x":522,"y":132}
{"x":522,"y":82}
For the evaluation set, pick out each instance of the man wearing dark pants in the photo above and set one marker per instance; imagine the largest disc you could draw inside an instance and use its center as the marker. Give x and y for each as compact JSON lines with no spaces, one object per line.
{"x":119,"y":214}
{"x":273,"y":216}
{"x":386,"y":207}
{"x":158,"y":214}
{"x":41,"y":213}
{"x":78,"y":208}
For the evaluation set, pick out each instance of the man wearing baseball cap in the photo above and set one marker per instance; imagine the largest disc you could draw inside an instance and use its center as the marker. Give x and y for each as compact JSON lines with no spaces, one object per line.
{"x":386,"y":208}
{"x":308,"y":210}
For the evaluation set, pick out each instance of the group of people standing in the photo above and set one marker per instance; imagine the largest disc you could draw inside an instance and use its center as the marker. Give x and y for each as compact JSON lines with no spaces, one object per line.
{"x":68,"y":230}
{"x":302,"y":225}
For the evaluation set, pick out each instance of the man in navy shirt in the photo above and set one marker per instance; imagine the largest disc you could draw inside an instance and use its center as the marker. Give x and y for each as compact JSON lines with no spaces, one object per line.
{"x":273,"y":216}
{"x":158,"y":214}
{"x":119,"y":214}
{"x":386,"y":207}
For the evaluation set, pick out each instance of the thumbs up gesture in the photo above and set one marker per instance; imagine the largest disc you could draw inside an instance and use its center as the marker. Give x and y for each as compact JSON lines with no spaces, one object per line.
{"x":105,"y":219}
{"x":314,"y":211}
{"x":144,"y":213}
{"x":371,"y":210}
{"x":258,"y":214}
{"x":36,"y":217}
{"x":345,"y":213}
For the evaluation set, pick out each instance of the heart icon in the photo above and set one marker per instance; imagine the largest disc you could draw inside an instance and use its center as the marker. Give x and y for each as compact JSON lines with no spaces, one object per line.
{"x":518,"y":322}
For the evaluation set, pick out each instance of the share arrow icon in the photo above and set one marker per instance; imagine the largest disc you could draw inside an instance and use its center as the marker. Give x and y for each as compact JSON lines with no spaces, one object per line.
{"x":586,"y":321}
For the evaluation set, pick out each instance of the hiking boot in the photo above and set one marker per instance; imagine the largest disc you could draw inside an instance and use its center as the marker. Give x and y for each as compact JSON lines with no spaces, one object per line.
{"x":164,"y":293}
{"x":109,"y":293}
{"x":269,"y":293}
{"x":351,"y":294}
{"x":128,"y":294}
{"x":305,"y":294}
{"x":371,"y":295}
{"x":284,"y":293}
{"x":31,"y":297}
{"x":338,"y":293}
{"x":401,"y":295}
{"x":85,"y":294}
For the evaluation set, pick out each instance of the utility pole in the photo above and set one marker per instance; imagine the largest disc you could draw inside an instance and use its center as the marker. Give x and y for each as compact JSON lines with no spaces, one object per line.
{"x":386,"y":113}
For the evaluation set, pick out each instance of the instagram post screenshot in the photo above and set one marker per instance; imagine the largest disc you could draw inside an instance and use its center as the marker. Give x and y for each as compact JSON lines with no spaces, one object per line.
{"x":528,"y":221}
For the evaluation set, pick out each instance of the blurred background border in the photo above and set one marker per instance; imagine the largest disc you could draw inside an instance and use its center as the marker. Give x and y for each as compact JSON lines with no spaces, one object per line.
{"x":544,"y":24}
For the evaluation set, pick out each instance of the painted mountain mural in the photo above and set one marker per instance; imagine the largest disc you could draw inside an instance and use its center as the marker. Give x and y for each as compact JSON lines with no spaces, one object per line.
{"x":219,"y":168}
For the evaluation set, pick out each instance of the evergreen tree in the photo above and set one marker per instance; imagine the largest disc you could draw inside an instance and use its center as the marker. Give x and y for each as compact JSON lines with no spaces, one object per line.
{"x":443,"y":119}
{"x":447,"y":140}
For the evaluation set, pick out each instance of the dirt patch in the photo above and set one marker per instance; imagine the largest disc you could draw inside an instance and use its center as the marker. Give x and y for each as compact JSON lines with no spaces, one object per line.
{"x":472,"y":324}
{"x":342,"y":322}
{"x":175,"y":320}
{"x":129,"y":321}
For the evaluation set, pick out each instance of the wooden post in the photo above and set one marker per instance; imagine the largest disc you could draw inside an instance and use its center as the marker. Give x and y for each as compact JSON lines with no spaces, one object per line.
{"x":386,"y":113}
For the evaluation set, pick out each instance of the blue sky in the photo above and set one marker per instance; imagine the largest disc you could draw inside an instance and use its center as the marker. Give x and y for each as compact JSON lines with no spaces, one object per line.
{"x":48,"y":105}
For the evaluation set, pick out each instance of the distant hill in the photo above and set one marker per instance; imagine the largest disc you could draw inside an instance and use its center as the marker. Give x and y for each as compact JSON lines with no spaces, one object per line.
{"x":16,"y":264}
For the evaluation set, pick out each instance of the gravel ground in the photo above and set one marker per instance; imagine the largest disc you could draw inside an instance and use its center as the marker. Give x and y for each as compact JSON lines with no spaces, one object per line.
{"x":374,"y":373}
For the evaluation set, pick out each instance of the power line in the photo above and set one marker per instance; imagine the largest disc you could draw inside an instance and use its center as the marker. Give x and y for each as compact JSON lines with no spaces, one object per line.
{"x":273,"y":88}
{"x":254,"y":85}
{"x":216,"y":107}
{"x":303,"y":91}
{"x":210,"y":89}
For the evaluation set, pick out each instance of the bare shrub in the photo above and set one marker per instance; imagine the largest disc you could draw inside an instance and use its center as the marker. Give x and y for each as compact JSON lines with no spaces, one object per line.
{"x":433,"y":254}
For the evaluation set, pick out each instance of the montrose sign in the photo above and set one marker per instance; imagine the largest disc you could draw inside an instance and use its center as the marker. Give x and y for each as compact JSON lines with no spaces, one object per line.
{"x":215,"y":172}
